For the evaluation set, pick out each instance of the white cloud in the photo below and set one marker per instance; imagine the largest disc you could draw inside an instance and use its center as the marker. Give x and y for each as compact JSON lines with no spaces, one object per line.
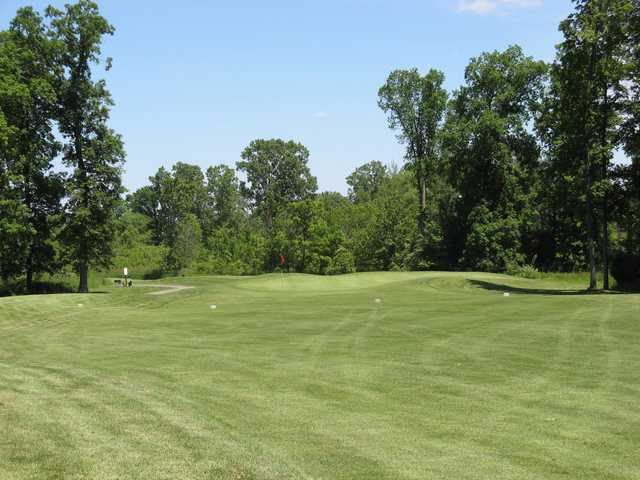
{"x":320,"y":115}
{"x":485,"y":7}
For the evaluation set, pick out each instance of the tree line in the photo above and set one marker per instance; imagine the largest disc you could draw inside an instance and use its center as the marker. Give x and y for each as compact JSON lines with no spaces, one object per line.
{"x":511,"y":172}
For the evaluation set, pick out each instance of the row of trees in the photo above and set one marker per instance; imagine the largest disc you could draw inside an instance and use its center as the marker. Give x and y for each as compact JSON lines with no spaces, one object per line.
{"x":51,"y":108}
{"x":211,"y":222}
{"x":512,"y":171}
{"x":528,"y":148}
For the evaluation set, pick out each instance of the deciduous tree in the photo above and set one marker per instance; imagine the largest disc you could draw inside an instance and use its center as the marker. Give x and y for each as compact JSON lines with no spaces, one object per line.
{"x":93,"y":152}
{"x":588,"y":85}
{"x":31,"y":191}
{"x":492,"y":153}
{"x":415,"y":105}
{"x":277,"y":172}
{"x":364,"y":183}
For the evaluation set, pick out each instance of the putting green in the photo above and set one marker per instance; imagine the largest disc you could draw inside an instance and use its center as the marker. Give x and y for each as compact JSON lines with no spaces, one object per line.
{"x":309,"y":377}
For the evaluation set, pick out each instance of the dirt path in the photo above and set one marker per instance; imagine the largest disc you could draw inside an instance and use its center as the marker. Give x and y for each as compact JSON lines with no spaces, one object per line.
{"x":167,"y":288}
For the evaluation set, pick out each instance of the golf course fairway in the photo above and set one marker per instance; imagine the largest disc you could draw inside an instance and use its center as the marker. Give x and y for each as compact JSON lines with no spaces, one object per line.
{"x":363,"y":376}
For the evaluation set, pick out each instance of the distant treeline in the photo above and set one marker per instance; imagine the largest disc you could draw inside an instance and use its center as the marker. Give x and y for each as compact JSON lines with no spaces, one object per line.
{"x":512,"y":172}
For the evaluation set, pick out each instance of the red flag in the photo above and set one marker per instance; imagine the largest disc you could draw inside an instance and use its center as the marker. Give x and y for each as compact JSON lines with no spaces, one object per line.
{"x":281,"y":260}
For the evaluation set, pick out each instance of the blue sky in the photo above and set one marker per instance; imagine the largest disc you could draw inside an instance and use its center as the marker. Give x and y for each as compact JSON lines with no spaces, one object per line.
{"x":196,"y":81}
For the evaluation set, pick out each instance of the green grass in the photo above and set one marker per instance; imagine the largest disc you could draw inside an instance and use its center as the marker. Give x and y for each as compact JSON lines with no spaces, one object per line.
{"x":307,"y":377}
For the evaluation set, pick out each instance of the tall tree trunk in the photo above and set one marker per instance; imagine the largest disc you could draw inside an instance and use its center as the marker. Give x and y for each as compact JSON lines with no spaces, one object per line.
{"x":629,"y":217}
{"x":605,"y":247}
{"x":83,"y":271}
{"x":587,"y":142}
{"x":422,"y":197}
{"x":29,"y":276}
{"x":83,"y":267}
{"x":605,"y":232}
{"x":29,"y":269}
{"x":591,"y":230}
{"x":423,"y":206}
{"x":268,"y":218}
{"x":304,"y":253}
{"x":605,"y":200}
{"x":27,"y":200}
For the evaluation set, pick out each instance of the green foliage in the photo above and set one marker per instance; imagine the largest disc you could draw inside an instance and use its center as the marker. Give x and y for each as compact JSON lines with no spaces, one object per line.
{"x":342,"y":262}
{"x":305,"y":238}
{"x":388,"y":238}
{"x":364,"y":183}
{"x":224,"y":201}
{"x":524,"y":271}
{"x":93,"y":152}
{"x":493,"y":242}
{"x":30,"y":192}
{"x":15,"y":235}
{"x":276,"y":173}
{"x":233,"y":252}
{"x":589,"y":91}
{"x":625,"y":268}
{"x":187,"y":243}
{"x":493,"y":159}
{"x":415,"y":106}
{"x":170,"y":197}
{"x":512,"y":172}
{"x":134,"y":249}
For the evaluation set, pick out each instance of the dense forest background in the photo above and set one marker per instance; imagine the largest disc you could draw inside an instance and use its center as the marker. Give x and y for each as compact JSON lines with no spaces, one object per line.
{"x":512,"y":172}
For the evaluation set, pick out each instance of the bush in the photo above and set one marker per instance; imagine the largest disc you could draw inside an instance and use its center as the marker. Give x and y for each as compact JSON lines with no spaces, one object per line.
{"x":524,"y":271}
{"x":625,"y":268}
{"x":342,"y":262}
{"x":143,"y":261}
{"x":493,"y":243}
{"x":231,"y":251}
{"x":155,"y":274}
{"x":186,"y":245}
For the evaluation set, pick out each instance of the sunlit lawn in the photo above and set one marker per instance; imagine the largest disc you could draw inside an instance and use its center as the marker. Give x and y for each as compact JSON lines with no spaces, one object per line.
{"x":310,"y":377}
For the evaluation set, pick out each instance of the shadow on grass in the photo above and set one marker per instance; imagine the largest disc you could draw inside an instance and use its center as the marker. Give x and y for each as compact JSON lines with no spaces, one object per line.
{"x":40,"y":288}
{"x":541,"y":291}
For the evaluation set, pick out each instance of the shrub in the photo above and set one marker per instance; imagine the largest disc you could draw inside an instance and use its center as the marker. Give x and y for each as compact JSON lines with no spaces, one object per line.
{"x":232,"y":251}
{"x":625,"y":268}
{"x":493,"y":242}
{"x":187,"y":243}
{"x":143,"y":261}
{"x":342,"y":262}
{"x":524,"y":271}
